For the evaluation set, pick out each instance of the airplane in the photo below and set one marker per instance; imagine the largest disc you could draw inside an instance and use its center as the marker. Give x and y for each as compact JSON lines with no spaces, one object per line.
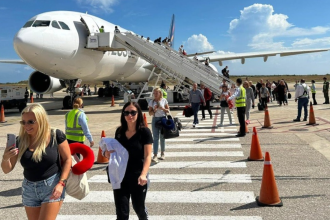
{"x":54,"y":45}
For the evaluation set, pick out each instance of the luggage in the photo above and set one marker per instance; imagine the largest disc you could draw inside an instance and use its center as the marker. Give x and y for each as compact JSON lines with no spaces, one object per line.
{"x":169,"y":132}
{"x":260,"y":107}
{"x":289,"y":95}
{"x":188,"y":112}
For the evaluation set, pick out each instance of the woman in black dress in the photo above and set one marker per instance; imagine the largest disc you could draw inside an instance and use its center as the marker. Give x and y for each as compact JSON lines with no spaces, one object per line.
{"x":281,"y":91}
{"x":136,"y":138}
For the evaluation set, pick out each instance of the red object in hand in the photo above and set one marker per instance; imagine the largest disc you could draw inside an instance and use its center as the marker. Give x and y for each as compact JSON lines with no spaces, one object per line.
{"x":88,"y":158}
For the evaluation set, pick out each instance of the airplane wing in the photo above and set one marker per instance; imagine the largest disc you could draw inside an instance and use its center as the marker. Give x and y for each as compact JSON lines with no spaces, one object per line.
{"x":13,"y":61}
{"x":265,"y":55}
{"x":193,"y":54}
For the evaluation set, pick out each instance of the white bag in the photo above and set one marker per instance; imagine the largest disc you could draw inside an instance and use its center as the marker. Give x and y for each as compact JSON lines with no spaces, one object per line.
{"x":77,"y":185}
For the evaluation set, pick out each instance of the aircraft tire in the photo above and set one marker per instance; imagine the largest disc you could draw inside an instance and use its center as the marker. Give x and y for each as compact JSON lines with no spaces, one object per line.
{"x":100,"y":93}
{"x":67,"y":103}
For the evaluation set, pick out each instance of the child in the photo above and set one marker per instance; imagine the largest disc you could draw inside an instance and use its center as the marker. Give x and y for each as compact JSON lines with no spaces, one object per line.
{"x":264,"y":94}
{"x":225,"y":105}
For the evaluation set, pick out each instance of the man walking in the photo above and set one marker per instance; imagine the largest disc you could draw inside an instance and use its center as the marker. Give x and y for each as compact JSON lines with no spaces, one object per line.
{"x":240,"y":96}
{"x":195,"y":98}
{"x":326,"y":90}
{"x":302,"y":95}
{"x":207,"y":96}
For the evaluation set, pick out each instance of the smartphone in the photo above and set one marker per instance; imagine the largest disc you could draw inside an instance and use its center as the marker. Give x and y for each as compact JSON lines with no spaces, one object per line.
{"x":11,"y":140}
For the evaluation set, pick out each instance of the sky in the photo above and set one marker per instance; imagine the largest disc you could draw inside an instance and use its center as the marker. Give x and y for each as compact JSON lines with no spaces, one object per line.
{"x":225,"y":26}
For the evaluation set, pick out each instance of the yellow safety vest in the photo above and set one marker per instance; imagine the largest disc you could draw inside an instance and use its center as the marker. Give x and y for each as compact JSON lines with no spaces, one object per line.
{"x":240,"y":101}
{"x":164,"y":93}
{"x":101,"y":30}
{"x":73,"y":130}
{"x":313,"y":90}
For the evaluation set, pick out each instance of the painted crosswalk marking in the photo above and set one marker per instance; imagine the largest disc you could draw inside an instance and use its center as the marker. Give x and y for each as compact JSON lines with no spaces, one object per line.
{"x":201,"y":146}
{"x":159,"y":217}
{"x":199,"y":164}
{"x":175,"y":197}
{"x":207,"y":130}
{"x":220,"y":139}
{"x":206,"y":154}
{"x":206,"y":134}
{"x":187,"y":178}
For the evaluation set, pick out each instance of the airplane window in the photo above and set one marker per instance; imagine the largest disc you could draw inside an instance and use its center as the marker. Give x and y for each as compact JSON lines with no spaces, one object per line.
{"x":64,"y":25}
{"x":55,"y":25}
{"x":28,"y":24}
{"x":41,"y":23}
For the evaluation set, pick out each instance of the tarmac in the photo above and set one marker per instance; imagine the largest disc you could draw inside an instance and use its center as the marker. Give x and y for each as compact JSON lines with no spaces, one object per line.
{"x":205,"y":174}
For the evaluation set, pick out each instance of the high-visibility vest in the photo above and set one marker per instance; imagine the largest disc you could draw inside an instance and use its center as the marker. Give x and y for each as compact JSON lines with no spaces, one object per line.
{"x":240,"y":100}
{"x":73,"y":130}
{"x":101,"y":30}
{"x":164,"y":93}
{"x":312,"y":88}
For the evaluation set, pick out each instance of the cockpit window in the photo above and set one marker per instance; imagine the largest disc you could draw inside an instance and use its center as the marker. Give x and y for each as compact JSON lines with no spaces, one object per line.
{"x":55,"y":25}
{"x":39,"y":23}
{"x":64,"y":25}
{"x":28,"y":24}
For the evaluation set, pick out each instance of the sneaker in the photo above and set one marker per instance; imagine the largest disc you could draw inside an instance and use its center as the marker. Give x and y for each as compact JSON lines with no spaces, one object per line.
{"x":162,"y":157}
{"x":194,"y":125}
{"x":220,"y":125}
{"x":296,"y":119}
{"x":203,"y":119}
{"x":211,"y":117}
{"x":155,"y":159}
{"x":305,"y":119}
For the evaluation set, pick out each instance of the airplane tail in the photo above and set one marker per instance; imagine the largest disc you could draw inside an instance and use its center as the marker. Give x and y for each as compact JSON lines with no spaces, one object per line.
{"x":171,"y":32}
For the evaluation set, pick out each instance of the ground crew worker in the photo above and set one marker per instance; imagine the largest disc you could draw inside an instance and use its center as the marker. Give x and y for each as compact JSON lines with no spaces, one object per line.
{"x":240,"y":95}
{"x":326,"y":90}
{"x":302,"y":95}
{"x":313,"y":90}
{"x":26,"y":94}
{"x":163,"y":89}
{"x":76,"y":127}
{"x":102,"y":29}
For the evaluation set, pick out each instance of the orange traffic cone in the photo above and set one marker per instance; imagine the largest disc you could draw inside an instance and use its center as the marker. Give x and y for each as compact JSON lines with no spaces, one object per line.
{"x":255,"y":151}
{"x":267,"y":123}
{"x":100,"y":158}
{"x":268,"y":192}
{"x":312,"y":120}
{"x":2,"y":115}
{"x":32,"y":99}
{"x":113,"y":101}
{"x":145,"y":119}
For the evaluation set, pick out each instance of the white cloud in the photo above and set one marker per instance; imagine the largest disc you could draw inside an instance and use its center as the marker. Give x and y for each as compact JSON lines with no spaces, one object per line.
{"x":307,"y":42}
{"x":197,"y":43}
{"x":258,"y":27}
{"x":28,"y":68}
{"x":98,"y":5}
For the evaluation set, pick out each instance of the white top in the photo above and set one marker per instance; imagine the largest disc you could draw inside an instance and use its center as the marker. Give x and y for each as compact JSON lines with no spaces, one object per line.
{"x":300,"y":91}
{"x":162,"y":103}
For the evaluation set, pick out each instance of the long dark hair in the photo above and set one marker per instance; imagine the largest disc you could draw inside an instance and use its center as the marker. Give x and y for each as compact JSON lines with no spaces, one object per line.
{"x":139,"y":121}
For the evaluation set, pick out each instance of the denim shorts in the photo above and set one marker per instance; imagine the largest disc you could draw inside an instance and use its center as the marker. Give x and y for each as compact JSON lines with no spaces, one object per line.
{"x":36,"y":193}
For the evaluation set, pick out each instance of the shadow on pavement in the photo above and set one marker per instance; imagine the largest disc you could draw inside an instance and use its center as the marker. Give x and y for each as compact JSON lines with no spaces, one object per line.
{"x":12,"y":206}
{"x":11,"y":192}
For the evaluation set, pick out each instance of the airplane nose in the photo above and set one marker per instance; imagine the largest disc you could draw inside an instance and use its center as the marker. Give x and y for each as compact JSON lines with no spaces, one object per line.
{"x":28,"y":44}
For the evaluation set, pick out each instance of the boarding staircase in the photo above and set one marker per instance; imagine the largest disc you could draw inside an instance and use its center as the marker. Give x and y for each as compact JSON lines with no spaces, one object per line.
{"x":171,"y":62}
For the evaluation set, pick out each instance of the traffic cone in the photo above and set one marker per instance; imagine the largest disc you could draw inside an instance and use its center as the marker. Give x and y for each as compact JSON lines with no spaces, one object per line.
{"x":100,"y":158}
{"x":255,"y":151}
{"x":312,"y":120}
{"x":2,"y":115}
{"x":145,"y":119}
{"x":268,"y":192}
{"x":113,"y":101}
{"x":267,"y":123}
{"x":32,"y":99}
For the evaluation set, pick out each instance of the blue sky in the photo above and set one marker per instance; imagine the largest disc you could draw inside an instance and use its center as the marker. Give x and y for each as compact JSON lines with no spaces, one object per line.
{"x":224,"y":26}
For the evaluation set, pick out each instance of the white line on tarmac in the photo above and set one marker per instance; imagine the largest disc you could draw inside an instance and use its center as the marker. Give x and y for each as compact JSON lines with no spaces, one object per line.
{"x":206,"y":154}
{"x":187,"y":178}
{"x":199,"y":164}
{"x":206,"y":134}
{"x":200,"y":139}
{"x":222,"y":129}
{"x":159,"y":217}
{"x":201,"y":146}
{"x":174,"y":197}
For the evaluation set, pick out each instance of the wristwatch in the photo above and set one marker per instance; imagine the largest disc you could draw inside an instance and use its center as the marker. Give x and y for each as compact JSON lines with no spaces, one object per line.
{"x":64,"y":181}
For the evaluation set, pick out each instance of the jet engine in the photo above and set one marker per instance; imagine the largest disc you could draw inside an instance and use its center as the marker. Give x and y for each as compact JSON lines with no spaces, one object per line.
{"x":42,"y":83}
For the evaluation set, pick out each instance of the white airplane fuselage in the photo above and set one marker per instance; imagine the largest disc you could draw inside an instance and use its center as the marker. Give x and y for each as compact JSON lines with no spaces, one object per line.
{"x":61,"y":53}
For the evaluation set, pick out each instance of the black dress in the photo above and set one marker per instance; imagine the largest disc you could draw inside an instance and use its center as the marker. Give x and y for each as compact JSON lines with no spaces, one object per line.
{"x":281,"y":93}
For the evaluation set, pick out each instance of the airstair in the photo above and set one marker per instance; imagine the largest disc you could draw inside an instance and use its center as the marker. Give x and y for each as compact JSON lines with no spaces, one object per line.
{"x":171,"y":62}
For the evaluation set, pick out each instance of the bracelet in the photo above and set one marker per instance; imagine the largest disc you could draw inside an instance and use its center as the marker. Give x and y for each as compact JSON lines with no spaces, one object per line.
{"x":62,"y":183}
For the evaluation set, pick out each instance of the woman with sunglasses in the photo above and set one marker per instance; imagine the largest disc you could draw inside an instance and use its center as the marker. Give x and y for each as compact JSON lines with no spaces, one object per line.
{"x":37,"y":148}
{"x":136,"y":138}
{"x":158,"y":107}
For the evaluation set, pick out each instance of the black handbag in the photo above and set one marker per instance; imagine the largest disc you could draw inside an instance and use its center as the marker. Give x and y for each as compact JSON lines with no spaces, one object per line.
{"x":188,"y":112}
{"x":171,"y":133}
{"x":289,"y":95}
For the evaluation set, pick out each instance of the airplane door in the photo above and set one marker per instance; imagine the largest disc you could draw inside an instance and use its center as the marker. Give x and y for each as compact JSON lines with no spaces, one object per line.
{"x":90,"y":24}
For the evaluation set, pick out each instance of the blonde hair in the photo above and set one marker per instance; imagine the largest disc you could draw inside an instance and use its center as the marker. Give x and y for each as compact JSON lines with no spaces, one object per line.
{"x":247,"y":83}
{"x":41,"y":140}
{"x":160,"y":91}
{"x":77,"y":102}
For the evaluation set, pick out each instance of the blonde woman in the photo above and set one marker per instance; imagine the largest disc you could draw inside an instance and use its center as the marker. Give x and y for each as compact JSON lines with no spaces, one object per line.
{"x":249,"y":100}
{"x":158,"y":107}
{"x":76,"y":124}
{"x":37,"y":148}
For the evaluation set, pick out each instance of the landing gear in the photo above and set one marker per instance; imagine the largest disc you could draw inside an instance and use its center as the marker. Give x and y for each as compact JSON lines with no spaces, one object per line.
{"x":68,"y":100}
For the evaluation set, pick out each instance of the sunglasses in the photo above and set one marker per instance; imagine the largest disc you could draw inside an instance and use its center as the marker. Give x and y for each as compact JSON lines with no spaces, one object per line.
{"x":29,"y":122}
{"x":126,"y":113}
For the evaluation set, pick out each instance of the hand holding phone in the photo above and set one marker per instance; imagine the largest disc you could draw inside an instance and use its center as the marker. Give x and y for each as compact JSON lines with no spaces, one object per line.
{"x":11,"y":140}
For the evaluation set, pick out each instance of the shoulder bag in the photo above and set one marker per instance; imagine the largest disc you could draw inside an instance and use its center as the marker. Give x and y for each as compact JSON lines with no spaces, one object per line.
{"x":171,"y":133}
